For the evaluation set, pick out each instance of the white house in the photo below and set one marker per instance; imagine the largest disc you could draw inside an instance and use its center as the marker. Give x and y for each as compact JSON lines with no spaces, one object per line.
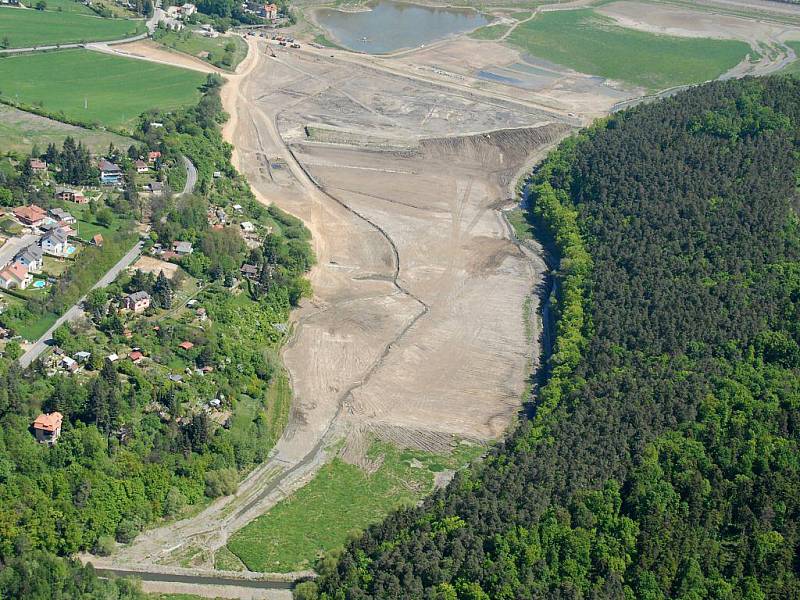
{"x":31,"y":258}
{"x":56,"y":242}
{"x":15,"y":276}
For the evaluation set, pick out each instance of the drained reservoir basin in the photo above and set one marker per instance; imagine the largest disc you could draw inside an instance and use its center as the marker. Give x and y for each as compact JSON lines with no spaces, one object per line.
{"x":385,"y":26}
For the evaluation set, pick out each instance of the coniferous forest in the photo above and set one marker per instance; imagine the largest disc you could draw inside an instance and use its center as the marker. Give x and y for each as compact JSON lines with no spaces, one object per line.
{"x":662,"y":459}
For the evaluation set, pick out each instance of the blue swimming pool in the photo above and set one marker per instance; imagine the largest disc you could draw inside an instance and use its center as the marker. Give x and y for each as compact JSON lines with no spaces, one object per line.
{"x":71,"y":249}
{"x":39,"y":284}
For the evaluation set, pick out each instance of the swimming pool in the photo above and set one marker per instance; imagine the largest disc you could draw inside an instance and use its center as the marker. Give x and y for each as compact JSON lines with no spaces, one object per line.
{"x":38,"y":284}
{"x":71,"y":249}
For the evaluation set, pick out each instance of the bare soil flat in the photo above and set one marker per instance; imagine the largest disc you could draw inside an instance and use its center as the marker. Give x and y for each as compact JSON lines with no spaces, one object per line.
{"x":148,"y":264}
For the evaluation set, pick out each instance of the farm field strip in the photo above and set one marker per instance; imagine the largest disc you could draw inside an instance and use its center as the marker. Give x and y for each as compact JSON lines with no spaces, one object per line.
{"x":96,"y":88}
{"x":28,"y":28}
{"x":591,"y":43}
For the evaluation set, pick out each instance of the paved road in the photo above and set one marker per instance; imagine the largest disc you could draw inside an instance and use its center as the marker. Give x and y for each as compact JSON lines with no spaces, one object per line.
{"x":152,"y":23}
{"x":75,"y":311}
{"x":191,"y":176}
{"x":14,"y":245}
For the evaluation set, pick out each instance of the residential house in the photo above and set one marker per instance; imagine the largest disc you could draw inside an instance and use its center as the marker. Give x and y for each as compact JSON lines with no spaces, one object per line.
{"x":97,"y":240}
{"x":153,"y":156}
{"x":63,"y":216}
{"x":137,"y":302}
{"x":38,"y":166}
{"x":32,"y":215}
{"x":141,"y":166}
{"x":188,"y":9}
{"x":186,"y":345}
{"x":182,"y":248}
{"x":113,"y":357}
{"x":15,"y":276}
{"x":110,"y":174}
{"x":249,"y":271}
{"x":56,"y":242}
{"x":136,"y":356}
{"x":270,"y":11}
{"x":155,"y":187}
{"x":70,"y":195}
{"x":247,"y":226}
{"x":31,"y":258}
{"x":47,"y":427}
{"x":69,"y":364}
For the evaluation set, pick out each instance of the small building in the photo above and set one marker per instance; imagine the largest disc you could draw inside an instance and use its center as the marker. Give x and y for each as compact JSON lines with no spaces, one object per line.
{"x":47,"y":427}
{"x":202,"y":314}
{"x":56,"y":242}
{"x":141,"y":166}
{"x":97,"y":240}
{"x":69,"y":364}
{"x":155,"y":187}
{"x":15,"y":276}
{"x":136,"y":356}
{"x":237,"y":207}
{"x":137,"y":302}
{"x":38,"y":166}
{"x":82,"y":356}
{"x":63,"y":216}
{"x":110,"y":174}
{"x":70,"y":195}
{"x":270,"y":11}
{"x":113,"y":357}
{"x":249,"y":271}
{"x":188,"y":9}
{"x":186,"y":345}
{"x":174,"y":378}
{"x":153,"y":156}
{"x":247,"y":226}
{"x":32,"y":258}
{"x":32,"y":215}
{"x":182,"y":248}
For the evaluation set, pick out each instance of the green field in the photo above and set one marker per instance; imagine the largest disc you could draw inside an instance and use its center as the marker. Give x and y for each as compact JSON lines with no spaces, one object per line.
{"x":490,"y":32}
{"x":593,"y":44}
{"x":20,"y":131}
{"x":342,"y":498}
{"x":794,"y":67}
{"x":63,"y":5}
{"x":210,"y":50}
{"x":25,"y":28}
{"x":117,"y":90}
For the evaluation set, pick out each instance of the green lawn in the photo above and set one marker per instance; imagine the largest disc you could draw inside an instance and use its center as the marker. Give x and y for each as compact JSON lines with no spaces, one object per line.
{"x":794,"y":67}
{"x":340,"y":499}
{"x":490,"y":32}
{"x":20,"y":131}
{"x":117,"y":90}
{"x":25,"y":28}
{"x":210,"y":50}
{"x":590,"y":43}
{"x":63,"y":5}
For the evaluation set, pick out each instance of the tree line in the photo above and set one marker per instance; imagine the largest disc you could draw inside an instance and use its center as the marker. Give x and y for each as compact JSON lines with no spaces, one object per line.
{"x":662,"y":460}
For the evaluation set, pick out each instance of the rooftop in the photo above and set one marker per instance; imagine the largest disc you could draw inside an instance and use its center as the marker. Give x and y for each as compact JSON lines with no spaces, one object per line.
{"x":48,"y":422}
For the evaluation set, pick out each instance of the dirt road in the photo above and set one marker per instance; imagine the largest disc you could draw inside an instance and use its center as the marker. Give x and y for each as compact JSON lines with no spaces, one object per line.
{"x":415,"y":332}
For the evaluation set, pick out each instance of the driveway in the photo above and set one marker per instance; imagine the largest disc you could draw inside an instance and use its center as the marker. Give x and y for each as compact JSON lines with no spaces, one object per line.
{"x":75,"y":310}
{"x":14,"y":245}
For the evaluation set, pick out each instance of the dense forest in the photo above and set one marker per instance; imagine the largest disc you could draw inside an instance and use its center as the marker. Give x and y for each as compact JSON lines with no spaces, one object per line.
{"x":662,"y":459}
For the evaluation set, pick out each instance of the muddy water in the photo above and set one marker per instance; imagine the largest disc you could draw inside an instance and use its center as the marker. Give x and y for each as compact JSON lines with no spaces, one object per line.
{"x":385,"y":26}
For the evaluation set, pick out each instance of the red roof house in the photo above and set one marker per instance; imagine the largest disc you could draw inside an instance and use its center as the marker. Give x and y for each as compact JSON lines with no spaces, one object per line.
{"x":47,"y":427}
{"x":186,"y":345}
{"x":30,"y":215}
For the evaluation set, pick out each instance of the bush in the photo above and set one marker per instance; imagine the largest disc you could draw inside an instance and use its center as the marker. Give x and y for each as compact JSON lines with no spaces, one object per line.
{"x":104,"y":546}
{"x":221,"y":483}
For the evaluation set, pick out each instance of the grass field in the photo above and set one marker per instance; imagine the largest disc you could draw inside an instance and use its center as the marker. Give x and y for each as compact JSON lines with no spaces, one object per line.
{"x":342,"y":498}
{"x":25,"y":28}
{"x":20,"y":131}
{"x":210,"y":50}
{"x":116,"y":89}
{"x":490,"y":32}
{"x":593,"y":44}
{"x":793,"y":68}
{"x":63,"y":6}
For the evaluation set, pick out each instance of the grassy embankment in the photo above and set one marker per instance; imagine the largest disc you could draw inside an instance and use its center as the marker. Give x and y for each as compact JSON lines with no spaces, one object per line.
{"x":26,"y":28}
{"x":116,"y":90}
{"x":490,"y":32}
{"x":593,"y":44}
{"x":210,"y":50}
{"x":794,"y":67}
{"x":342,"y":498}
{"x":21,"y":131}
